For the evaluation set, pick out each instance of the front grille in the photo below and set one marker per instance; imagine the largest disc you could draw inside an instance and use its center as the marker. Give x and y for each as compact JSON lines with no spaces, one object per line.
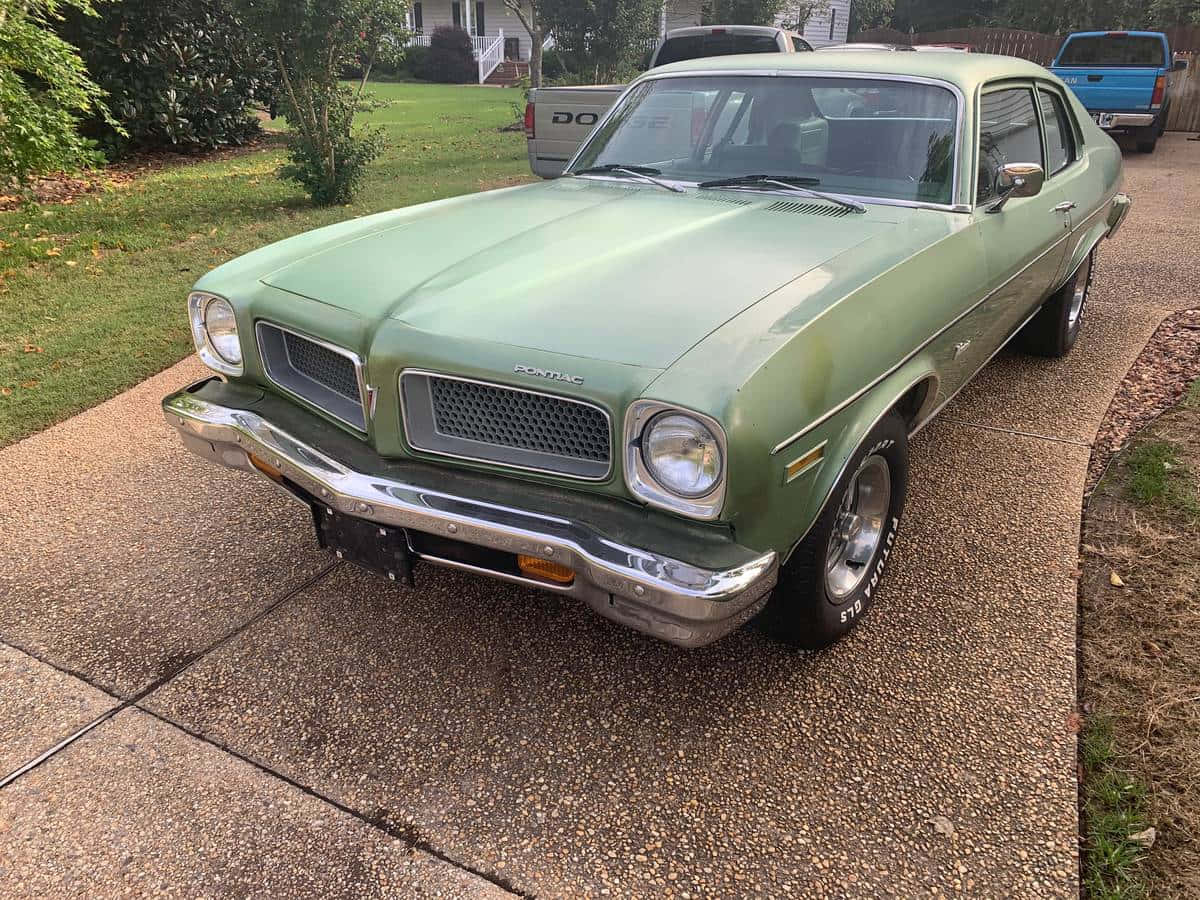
{"x":322,"y":365}
{"x":494,"y":423}
{"x":324,"y":375}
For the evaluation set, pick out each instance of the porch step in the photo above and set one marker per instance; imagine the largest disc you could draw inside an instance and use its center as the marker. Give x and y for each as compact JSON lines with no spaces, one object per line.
{"x":510,"y":71}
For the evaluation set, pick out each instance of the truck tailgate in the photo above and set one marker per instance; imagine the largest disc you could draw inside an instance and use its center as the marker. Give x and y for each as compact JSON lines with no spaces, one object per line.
{"x":1106,"y":89}
{"x":562,"y":118}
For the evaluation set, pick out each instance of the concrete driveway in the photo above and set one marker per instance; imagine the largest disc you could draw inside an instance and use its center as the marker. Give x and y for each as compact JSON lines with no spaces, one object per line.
{"x":268,"y":721}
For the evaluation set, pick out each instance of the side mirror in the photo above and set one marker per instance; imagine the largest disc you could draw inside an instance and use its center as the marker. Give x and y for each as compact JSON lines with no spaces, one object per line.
{"x":1018,"y":180}
{"x":1179,"y":65}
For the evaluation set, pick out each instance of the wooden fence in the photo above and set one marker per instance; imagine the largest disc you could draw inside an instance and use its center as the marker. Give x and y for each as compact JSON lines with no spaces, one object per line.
{"x":1042,"y":48}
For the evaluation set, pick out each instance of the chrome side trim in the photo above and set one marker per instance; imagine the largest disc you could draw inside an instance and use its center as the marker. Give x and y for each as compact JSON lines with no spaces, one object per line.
{"x":879,"y":379}
{"x":491,"y":462}
{"x":675,"y":600}
{"x":959,"y":97}
{"x":354,"y":358}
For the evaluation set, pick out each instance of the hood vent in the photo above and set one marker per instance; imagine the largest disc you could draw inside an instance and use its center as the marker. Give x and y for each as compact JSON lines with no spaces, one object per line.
{"x":721,"y":198}
{"x":807,"y":208}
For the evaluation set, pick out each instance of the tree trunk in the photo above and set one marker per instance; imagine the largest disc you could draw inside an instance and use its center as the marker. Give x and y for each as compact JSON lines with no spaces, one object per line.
{"x":536,"y":38}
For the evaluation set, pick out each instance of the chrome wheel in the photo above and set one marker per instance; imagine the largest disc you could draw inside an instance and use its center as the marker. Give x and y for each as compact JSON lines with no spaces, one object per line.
{"x":858,"y":527}
{"x":1079,"y":293}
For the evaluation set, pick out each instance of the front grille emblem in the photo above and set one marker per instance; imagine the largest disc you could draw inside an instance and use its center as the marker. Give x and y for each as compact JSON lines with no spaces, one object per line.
{"x":546,"y":373}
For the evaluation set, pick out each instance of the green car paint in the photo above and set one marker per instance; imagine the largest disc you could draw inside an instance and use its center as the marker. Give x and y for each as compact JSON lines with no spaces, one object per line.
{"x":793,"y":331}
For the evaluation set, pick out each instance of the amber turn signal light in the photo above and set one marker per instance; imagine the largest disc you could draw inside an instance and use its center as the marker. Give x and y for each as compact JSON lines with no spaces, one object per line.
{"x":542,"y":568}
{"x":265,"y":467}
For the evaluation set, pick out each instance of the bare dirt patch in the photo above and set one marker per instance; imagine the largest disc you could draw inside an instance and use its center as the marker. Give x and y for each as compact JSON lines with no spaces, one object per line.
{"x":66,"y":188}
{"x":1140,"y":622}
{"x":1156,"y":381}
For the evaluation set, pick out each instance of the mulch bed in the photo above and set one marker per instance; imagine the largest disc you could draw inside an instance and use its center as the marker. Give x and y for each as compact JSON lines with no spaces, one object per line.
{"x":1156,"y":381}
{"x":64,"y":188}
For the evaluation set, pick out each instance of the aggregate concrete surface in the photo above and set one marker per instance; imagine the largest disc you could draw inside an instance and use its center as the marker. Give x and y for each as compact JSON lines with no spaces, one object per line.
{"x":469,"y":736}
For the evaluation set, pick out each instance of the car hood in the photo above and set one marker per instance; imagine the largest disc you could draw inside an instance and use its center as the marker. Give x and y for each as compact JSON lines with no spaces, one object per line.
{"x":621,"y":272}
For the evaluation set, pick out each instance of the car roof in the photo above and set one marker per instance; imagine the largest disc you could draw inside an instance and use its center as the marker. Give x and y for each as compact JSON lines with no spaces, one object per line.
{"x":692,"y":30}
{"x":965,"y":70}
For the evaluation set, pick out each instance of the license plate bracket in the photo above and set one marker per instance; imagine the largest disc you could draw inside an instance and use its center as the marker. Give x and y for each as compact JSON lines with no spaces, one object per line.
{"x":376,"y":547}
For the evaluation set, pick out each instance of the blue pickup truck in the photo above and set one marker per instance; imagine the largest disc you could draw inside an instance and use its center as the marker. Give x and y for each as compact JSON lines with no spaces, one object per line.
{"x":1123,"y":78}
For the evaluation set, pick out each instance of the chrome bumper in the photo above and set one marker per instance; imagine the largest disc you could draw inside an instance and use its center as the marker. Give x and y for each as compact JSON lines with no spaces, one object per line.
{"x":676,"y":601}
{"x":1124,"y":120}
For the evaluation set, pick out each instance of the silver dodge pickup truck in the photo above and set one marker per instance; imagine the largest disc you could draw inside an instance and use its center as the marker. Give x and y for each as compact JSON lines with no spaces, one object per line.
{"x":557,"y":119}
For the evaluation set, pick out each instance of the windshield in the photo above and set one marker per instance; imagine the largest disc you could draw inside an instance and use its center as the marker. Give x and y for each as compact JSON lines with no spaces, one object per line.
{"x":1114,"y":50}
{"x":857,"y":136}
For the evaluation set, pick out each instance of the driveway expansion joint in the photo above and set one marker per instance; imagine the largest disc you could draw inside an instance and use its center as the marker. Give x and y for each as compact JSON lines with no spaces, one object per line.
{"x":399,"y":833}
{"x":1028,"y":434}
{"x":187,"y":663}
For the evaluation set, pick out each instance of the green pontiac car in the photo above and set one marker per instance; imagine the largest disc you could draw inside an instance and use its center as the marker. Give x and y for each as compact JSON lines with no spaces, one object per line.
{"x":679,"y":382}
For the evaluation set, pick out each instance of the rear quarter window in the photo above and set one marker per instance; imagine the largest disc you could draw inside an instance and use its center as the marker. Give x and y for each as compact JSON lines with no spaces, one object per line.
{"x":1137,"y":51}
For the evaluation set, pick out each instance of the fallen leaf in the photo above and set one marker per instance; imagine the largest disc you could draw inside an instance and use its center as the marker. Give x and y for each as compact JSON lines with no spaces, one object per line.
{"x":1073,"y":723}
{"x":942,"y":825}
{"x":1146,"y":837}
{"x":54,"y":251}
{"x":31,"y":348}
{"x":5,"y":392}
{"x":1152,"y":648}
{"x":29,"y":384}
{"x":72,"y":263}
{"x":1115,"y":580}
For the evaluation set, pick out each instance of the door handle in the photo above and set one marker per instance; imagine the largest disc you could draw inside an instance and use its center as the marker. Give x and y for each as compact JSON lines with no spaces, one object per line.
{"x":1064,"y":206}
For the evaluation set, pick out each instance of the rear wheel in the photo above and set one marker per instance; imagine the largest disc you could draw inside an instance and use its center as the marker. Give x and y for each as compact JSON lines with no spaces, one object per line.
{"x":1055,"y":328}
{"x":832,"y":577}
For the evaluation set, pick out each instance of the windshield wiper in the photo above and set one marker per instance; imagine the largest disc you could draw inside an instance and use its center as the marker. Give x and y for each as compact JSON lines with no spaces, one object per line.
{"x":642,"y":173}
{"x":795,"y":183}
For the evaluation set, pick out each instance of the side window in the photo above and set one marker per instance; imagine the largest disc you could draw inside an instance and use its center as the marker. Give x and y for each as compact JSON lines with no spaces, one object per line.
{"x":1060,"y":138}
{"x":1008,"y":133}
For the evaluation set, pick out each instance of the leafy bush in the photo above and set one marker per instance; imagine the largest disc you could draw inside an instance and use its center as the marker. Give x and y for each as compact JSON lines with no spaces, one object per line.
{"x":413,"y":64}
{"x":180,"y":73}
{"x":310,"y":43}
{"x":43,"y":90}
{"x":451,"y":57}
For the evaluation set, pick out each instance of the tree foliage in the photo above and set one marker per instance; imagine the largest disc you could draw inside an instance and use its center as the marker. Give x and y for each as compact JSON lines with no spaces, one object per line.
{"x":310,"y":42}
{"x":180,"y":73}
{"x":44,"y":90}
{"x":609,"y":37}
{"x":1053,"y":17}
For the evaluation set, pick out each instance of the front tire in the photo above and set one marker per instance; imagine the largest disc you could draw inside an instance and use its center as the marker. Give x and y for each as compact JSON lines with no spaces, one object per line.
{"x":832,"y":577}
{"x":1055,"y":328}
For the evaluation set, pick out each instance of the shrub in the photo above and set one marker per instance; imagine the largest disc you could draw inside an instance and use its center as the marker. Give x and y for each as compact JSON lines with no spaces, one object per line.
{"x":413,"y":64}
{"x":179,"y":73}
{"x":43,"y":91}
{"x":451,"y":57}
{"x":310,"y":44}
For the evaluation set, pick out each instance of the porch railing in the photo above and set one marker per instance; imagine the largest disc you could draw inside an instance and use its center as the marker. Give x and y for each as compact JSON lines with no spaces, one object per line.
{"x":491,"y":56}
{"x":479,"y":43}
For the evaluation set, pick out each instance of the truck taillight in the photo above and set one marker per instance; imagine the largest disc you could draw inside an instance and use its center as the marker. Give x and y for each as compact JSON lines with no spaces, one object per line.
{"x":529,"y":120}
{"x":1160,"y":88}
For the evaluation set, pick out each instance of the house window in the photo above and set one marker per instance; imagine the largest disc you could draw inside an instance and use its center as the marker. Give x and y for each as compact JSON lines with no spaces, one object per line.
{"x":480,"y":29}
{"x":832,"y":22}
{"x":456,"y":14}
{"x":417,"y":19}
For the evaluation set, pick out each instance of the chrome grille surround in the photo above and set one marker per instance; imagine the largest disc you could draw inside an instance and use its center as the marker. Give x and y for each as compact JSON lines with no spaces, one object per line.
{"x":323,"y":374}
{"x":504,"y":425}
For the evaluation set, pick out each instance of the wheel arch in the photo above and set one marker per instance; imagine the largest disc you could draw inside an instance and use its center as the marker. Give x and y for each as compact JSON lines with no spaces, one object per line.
{"x":912,"y":391}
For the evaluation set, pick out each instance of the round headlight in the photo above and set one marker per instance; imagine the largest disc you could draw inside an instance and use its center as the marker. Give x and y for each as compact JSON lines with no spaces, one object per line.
{"x":682,"y":454}
{"x":221,"y":326}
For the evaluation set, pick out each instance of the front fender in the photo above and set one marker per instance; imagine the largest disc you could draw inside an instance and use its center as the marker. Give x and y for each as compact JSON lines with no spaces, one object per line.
{"x":797,"y":498}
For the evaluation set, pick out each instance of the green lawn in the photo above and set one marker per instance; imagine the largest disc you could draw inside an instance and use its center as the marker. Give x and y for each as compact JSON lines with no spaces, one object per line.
{"x":92,"y":293}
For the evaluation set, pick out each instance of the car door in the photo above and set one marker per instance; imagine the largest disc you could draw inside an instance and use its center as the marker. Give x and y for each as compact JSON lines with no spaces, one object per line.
{"x":1064,"y":171}
{"x":1024,"y":238}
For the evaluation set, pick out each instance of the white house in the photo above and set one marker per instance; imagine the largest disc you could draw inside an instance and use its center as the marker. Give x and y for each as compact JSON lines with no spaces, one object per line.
{"x":501,"y":42}
{"x":828,"y":24}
